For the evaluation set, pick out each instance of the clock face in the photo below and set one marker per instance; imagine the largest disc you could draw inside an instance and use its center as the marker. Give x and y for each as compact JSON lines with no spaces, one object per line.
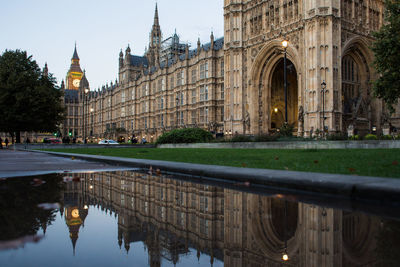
{"x":75,"y":213}
{"x":76,"y":82}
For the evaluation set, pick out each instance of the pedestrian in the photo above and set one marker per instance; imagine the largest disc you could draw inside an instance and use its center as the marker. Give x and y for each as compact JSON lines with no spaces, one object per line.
{"x":1,"y":143}
{"x":6,"y":141}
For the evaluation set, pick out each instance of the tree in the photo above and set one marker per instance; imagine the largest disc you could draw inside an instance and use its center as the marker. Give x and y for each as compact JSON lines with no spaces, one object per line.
{"x":29,"y":99}
{"x":387,"y":56}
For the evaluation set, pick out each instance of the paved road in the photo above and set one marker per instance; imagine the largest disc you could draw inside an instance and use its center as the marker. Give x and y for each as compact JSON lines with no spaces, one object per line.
{"x":21,"y":163}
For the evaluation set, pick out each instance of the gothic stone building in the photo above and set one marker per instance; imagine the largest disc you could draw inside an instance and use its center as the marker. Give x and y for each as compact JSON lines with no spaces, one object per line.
{"x":235,"y":84}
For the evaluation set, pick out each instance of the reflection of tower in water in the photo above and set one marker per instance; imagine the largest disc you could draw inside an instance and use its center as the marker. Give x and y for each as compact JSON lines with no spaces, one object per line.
{"x":75,"y":209}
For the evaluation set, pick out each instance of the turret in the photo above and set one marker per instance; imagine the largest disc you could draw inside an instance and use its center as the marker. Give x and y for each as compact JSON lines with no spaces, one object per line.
{"x":45,"y":70}
{"x":128,"y":55}
{"x":212,"y":41}
{"x":121,"y":59}
{"x":198,"y":46}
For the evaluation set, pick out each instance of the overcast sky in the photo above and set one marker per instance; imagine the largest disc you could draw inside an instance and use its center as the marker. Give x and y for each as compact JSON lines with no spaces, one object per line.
{"x":48,"y":29}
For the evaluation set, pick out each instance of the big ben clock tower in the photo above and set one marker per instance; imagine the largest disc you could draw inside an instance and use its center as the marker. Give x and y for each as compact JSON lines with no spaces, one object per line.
{"x":75,"y":73}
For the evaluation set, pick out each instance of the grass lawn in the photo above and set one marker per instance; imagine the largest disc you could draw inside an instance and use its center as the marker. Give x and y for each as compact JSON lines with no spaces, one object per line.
{"x":367,"y":162}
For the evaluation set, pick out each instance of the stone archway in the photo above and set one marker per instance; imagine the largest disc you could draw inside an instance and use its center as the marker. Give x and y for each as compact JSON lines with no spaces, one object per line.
{"x":266,"y":70}
{"x":357,"y":108}
{"x":277,"y":99}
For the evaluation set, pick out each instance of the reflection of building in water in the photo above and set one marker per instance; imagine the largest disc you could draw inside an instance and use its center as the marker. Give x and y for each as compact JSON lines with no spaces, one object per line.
{"x":241,"y":229}
{"x":75,"y":210}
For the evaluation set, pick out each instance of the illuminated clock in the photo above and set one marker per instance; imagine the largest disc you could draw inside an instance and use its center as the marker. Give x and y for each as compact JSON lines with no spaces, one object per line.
{"x":75,"y":213}
{"x":76,"y":82}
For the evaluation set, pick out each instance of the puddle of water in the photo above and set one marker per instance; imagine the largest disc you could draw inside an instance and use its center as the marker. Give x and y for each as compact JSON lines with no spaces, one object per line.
{"x":130,"y":218}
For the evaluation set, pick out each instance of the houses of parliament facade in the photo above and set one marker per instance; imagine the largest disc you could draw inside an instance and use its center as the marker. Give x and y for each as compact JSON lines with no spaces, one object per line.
{"x":234,"y":84}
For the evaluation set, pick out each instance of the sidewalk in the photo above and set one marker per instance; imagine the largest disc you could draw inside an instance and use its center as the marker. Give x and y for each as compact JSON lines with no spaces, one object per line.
{"x":377,"y":189}
{"x":23,"y":163}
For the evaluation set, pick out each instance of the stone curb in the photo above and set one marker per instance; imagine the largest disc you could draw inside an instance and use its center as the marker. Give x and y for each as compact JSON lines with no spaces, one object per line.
{"x":347,"y":144}
{"x":383,"y":190}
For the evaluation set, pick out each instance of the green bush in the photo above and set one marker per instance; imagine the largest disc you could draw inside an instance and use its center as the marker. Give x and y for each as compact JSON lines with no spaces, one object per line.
{"x":286,"y":129}
{"x":370,"y":137}
{"x":336,"y":136}
{"x":354,"y":137}
{"x":240,"y":138}
{"x":397,"y":137}
{"x":188,"y":135}
{"x":266,"y":138}
{"x":386,"y":137}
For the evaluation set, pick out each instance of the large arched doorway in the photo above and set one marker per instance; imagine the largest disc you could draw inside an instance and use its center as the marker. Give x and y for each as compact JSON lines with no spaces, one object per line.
{"x":356,"y":99}
{"x":277,"y":104}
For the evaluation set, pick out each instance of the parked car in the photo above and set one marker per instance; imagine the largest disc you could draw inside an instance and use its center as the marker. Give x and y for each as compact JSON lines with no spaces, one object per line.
{"x":51,"y":140}
{"x":108,"y":142}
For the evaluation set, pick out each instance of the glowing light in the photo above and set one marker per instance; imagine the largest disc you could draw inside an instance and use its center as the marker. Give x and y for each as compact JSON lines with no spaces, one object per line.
{"x":285,"y":257}
{"x":85,"y":207}
{"x":285,"y":43}
{"x":91,"y":187}
{"x":275,"y":110}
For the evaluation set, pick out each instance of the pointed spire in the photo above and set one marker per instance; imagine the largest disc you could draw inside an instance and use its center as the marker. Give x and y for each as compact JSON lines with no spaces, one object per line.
{"x":212,"y":40}
{"x":156,"y":22}
{"x":75,"y":55}
{"x":45,"y":70}
{"x":198,"y":46}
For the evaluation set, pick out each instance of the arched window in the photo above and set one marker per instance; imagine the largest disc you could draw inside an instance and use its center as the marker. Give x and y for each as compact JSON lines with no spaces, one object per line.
{"x":350,"y":82}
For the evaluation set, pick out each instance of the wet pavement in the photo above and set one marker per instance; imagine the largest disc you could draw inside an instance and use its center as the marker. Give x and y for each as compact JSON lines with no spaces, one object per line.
{"x":23,"y":163}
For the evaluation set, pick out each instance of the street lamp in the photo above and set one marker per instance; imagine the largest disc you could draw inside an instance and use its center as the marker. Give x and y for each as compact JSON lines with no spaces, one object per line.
{"x":285,"y":45}
{"x":177,"y":111}
{"x":91,"y":122}
{"x":323,"y":90}
{"x":86,"y":91}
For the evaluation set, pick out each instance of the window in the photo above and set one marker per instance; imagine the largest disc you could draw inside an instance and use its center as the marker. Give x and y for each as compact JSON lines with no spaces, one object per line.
{"x":182,"y":98}
{"x":159,"y":85}
{"x":194,"y":75}
{"x":133,"y":94}
{"x":350,"y":82}
{"x":193,"y":96}
{"x":222,"y":92}
{"x":172,"y":83}
{"x":162,"y":103}
{"x":162,"y":120}
{"x":204,"y":93}
{"x":204,"y":70}
{"x":145,"y":90}
{"x":122,"y":111}
{"x":201,"y":115}
{"x":222,"y":68}
{"x":122,"y":97}
{"x":182,"y":122}
{"x":162,"y":84}
{"x":171,"y":101}
{"x":180,"y":78}
{"x":194,"y":116}
{"x":145,"y":123}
